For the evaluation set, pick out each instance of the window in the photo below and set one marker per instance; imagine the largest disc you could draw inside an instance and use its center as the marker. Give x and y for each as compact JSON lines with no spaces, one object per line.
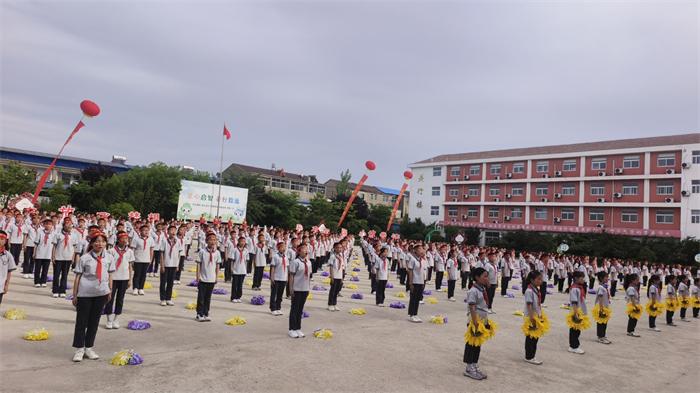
{"x":630,"y":162}
{"x":454,"y":192}
{"x":664,"y":189}
{"x":475,"y":170}
{"x":454,"y":171}
{"x":695,"y":216}
{"x":541,"y":190}
{"x":568,"y":165}
{"x":494,"y":191}
{"x":599,"y":163}
{"x":597,"y":189}
{"x":277,"y":183}
{"x":596,"y":215}
{"x":630,"y":189}
{"x":664,"y":217}
{"x":434,"y":210}
{"x":297,"y":186}
{"x":473,"y":212}
{"x":568,"y":189}
{"x":517,"y":190}
{"x":452,"y":211}
{"x":493,"y":212}
{"x":516,"y":212}
{"x":542,"y":166}
{"x":541,"y":213}
{"x":437,"y":171}
{"x":495,"y":169}
{"x":695,"y":187}
{"x":666,"y":159}
{"x":436,"y":191}
{"x":696,"y":156}
{"x":316,"y":189}
{"x":519,"y":167}
{"x":568,"y":214}
{"x":473,"y":191}
{"x":630,"y":216}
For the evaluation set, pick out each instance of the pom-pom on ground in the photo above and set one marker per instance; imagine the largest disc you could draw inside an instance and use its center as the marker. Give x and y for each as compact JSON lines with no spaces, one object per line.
{"x":15,"y":314}
{"x":138,"y":324}
{"x":236,"y":321}
{"x":323,"y":334}
{"x":36,"y":335}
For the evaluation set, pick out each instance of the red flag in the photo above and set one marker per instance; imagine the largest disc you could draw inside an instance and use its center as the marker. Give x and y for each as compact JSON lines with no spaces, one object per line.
{"x":227,"y":133}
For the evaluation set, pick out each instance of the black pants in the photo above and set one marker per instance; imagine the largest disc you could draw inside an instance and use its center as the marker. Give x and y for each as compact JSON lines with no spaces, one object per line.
{"x":416,"y":296}
{"x":204,"y":290}
{"x":298,"y":301}
{"x":504,"y":285}
{"x":336,"y":286}
{"x":237,"y":286}
{"x":41,"y":271}
{"x":257,"y":276}
{"x":573,"y":338}
{"x":631,"y":324}
{"x":139,"y":278}
{"x":543,"y":291}
{"x":438,"y":280}
{"x":87,"y":319}
{"x":451,"y":288}
{"x":683,"y":311}
{"x":394,"y":263}
{"x":227,"y":269}
{"x":251,"y":257}
{"x":652,"y":322}
{"x":157,"y":256}
{"x":402,"y":276}
{"x":379,"y":294}
{"x":430,"y":273}
{"x":60,"y":276}
{"x":644,"y":280}
{"x":471,"y":354}
{"x":696,"y":311}
{"x":373,"y":282}
{"x":28,"y":264}
{"x":530,"y":347}
{"x":166,"y":283}
{"x":613,"y":288}
{"x":465,"y":277}
{"x":276,"y":292}
{"x":591,"y":282}
{"x":669,"y":317}
{"x":15,"y":250}
{"x":116,"y":302}
{"x":601,"y":328}
{"x":561,"y":284}
{"x":492,"y":292}
{"x":181,"y":266}
{"x":1,"y":295}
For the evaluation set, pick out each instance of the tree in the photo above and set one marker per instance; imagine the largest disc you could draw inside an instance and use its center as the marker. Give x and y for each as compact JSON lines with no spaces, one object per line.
{"x":93,"y":174}
{"x":14,"y":179}
{"x":256,"y":190}
{"x":58,"y":196}
{"x":378,"y":217}
{"x":120,"y":209}
{"x":343,"y":186}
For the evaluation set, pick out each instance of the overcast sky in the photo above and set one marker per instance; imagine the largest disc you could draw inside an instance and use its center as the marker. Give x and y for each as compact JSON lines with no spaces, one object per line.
{"x":319,"y":86}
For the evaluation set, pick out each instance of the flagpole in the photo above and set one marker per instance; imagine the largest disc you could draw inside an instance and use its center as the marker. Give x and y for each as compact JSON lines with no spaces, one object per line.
{"x":221,"y":171}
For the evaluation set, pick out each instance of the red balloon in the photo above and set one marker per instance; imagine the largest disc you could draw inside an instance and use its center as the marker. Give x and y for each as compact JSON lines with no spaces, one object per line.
{"x":89,"y":108}
{"x":408,"y":175}
{"x":370,"y":165}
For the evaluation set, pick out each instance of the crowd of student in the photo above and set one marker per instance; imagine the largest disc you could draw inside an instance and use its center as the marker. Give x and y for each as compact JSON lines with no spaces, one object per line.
{"x":110,"y":256}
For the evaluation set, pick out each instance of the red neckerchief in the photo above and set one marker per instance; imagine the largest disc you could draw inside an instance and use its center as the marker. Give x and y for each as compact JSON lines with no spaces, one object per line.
{"x":121,"y":254}
{"x":145,"y":240}
{"x":7,"y":224}
{"x":284,"y":263}
{"x":483,"y":291}
{"x":240,"y":254}
{"x":66,"y":238}
{"x":46,"y":237}
{"x":306,"y":268}
{"x":171,"y":244}
{"x":211,"y":256}
{"x":539,"y":295}
{"x":340,"y":264}
{"x":80,"y":231}
{"x":158,"y":238}
{"x":384,"y":260}
{"x":19,"y":230}
{"x":98,"y":271}
{"x":581,"y":291}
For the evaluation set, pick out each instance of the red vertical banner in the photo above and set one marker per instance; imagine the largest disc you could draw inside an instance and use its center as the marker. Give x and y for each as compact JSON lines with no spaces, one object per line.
{"x":370,"y":166}
{"x":407,"y":175}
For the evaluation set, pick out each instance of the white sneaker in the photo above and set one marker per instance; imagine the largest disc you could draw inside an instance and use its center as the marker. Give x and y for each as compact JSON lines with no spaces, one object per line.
{"x":655,"y":329}
{"x":533,"y":361}
{"x":79,"y":353}
{"x":135,"y":292}
{"x":451,"y":299}
{"x":604,"y":340}
{"x":155,"y":274}
{"x":207,"y":319}
{"x":273,"y":312}
{"x":109,"y":322}
{"x":577,"y":350}
{"x":525,"y":359}
{"x":685,"y":319}
{"x":199,"y":318}
{"x":177,"y":282}
{"x":163,"y":303}
{"x":633,"y":334}
{"x":169,"y":302}
{"x":37,"y":285}
{"x":293,"y":334}
{"x":92,"y":355}
{"x":491,"y":311}
{"x":380,"y":305}
{"x":55,"y":295}
{"x":422,"y":302}
{"x":278,"y":312}
{"x":141,"y":292}
{"x":330,"y":308}
{"x":43,"y":285}
{"x":115,"y":323}
{"x":300,"y":334}
{"x":61,"y":295}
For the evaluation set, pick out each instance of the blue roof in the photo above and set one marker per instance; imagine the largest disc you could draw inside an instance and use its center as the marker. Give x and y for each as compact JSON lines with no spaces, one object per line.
{"x":391,"y":191}
{"x":64,"y":162}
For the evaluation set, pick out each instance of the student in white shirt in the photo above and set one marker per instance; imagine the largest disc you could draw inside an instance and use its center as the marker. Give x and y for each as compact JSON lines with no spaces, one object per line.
{"x":381,"y":268}
{"x":124,"y":259}
{"x":260,"y":258}
{"x":416,"y":266}
{"x":208,"y":262}
{"x":299,"y":280}
{"x":182,"y":242}
{"x":279,"y":270}
{"x":17,"y":234}
{"x":170,"y":262}
{"x":32,"y":231}
{"x":43,"y":253}
{"x":337,"y":264}
{"x":7,"y":265}
{"x":143,"y":255}
{"x":158,"y":246}
{"x":237,"y":258}
{"x":66,"y":243}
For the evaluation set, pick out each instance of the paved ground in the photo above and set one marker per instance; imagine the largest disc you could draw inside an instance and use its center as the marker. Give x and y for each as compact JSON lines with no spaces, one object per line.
{"x":380,"y":351}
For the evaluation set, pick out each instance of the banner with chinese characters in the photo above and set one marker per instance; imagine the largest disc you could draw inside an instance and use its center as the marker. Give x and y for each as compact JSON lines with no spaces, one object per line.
{"x":200,"y":200}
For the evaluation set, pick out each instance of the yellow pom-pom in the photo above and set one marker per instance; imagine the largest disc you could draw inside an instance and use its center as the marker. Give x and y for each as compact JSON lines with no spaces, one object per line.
{"x":248,"y":282}
{"x":37,"y":335}
{"x":324,"y":334}
{"x":191,"y":306}
{"x":518,"y":313}
{"x":358,"y":311}
{"x":545,"y":322}
{"x":578,"y":320}
{"x":220,"y":276}
{"x":121,"y":358}
{"x":696,"y":302}
{"x":432,"y":300}
{"x":565,"y":307}
{"x":174,"y":294}
{"x":236,"y":321}
{"x":266,"y":268}
{"x":601,"y":314}
{"x":683,"y":302}
{"x":15,"y":314}
{"x":326,"y":281}
{"x":351,"y":286}
{"x":400,"y":295}
{"x":147,"y":285}
{"x":437,"y":319}
{"x":309,"y":296}
{"x":476,"y":335}
{"x":654,"y":310}
{"x":634,"y":311}
{"x":192,"y":269}
{"x":671,"y":304}
{"x":353,"y":274}
{"x":491,"y":328}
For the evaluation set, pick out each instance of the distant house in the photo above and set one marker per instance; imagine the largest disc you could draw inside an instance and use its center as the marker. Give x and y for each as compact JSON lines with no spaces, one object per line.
{"x":304,"y":186}
{"x":372,"y":195}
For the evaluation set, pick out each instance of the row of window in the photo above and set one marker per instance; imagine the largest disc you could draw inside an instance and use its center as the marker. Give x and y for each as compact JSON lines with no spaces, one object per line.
{"x":569,"y":214}
{"x":597,"y":164}
{"x":596,"y":189}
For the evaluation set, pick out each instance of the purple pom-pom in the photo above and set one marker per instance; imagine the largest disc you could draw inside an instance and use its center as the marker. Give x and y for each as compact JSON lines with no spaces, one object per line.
{"x":444,"y":319}
{"x":49,"y":278}
{"x":305,"y":314}
{"x":444,"y":283}
{"x":266,"y":275}
{"x":193,"y":283}
{"x":354,"y":279}
{"x":69,"y":296}
{"x":389,"y":285}
{"x":138,"y":324}
{"x":319,"y":288}
{"x":325,"y":274}
{"x":135,"y":359}
{"x":591,"y":292}
{"x":219,"y":291}
{"x":510,"y":295}
{"x":357,"y":295}
{"x":356,"y":269}
{"x":397,"y":305}
{"x":257,"y":300}
{"x":550,"y":285}
{"x":516,"y":287}
{"x":427,"y":292}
